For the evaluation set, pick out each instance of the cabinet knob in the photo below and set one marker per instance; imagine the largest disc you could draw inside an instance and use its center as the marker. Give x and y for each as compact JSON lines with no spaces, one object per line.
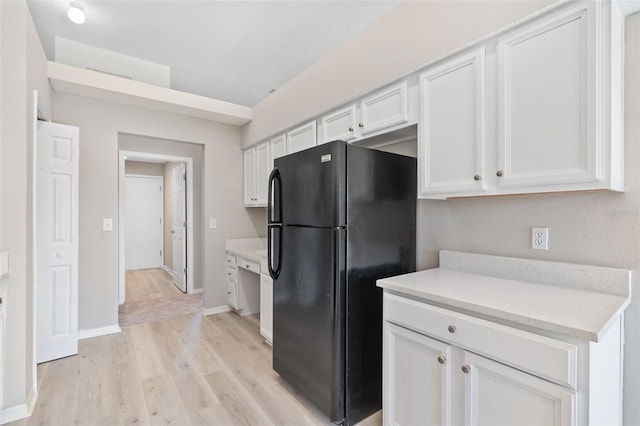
{"x":228,"y":273}
{"x":247,"y":266}
{"x":228,"y":292}
{"x":351,"y":129}
{"x":360,"y":125}
{"x":499,"y":173}
{"x":452,"y":329}
{"x":442,"y":359}
{"x":476,"y":177}
{"x":466,"y":369}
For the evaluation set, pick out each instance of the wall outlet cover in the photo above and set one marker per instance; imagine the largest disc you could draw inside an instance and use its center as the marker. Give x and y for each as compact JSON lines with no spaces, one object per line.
{"x":540,"y":238}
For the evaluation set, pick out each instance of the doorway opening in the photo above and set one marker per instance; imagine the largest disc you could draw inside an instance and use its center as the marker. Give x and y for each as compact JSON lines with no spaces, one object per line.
{"x":155,"y":237}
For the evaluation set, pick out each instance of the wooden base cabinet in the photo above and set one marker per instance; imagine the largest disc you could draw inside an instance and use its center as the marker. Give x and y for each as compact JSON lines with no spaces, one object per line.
{"x":441,"y":367}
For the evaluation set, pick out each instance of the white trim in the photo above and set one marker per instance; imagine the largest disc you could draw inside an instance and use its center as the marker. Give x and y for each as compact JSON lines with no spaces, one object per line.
{"x":196,"y":291}
{"x":20,"y":411}
{"x":216,"y":310}
{"x":132,"y":155}
{"x":100,"y":331}
{"x":167,"y":269}
{"x":34,"y":254}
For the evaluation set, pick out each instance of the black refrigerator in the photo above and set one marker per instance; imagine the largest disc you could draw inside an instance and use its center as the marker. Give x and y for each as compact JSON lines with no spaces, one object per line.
{"x":339,"y":218}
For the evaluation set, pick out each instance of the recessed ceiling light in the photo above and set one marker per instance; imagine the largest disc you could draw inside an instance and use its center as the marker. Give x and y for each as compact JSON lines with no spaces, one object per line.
{"x":76,"y":15}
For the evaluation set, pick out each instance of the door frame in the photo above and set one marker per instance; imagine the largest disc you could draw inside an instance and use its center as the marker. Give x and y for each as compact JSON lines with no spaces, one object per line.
{"x":161,"y":179}
{"x":147,"y":156}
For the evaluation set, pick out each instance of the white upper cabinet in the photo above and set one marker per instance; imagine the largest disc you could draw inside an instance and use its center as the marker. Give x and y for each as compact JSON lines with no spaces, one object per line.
{"x":249,"y":176}
{"x":339,"y":125}
{"x":278,"y":147}
{"x":549,"y":103}
{"x":301,"y":138}
{"x":379,"y":112}
{"x":263,"y":169}
{"x":383,"y":109}
{"x":559,"y":94}
{"x":257,"y":166}
{"x":451,"y":153}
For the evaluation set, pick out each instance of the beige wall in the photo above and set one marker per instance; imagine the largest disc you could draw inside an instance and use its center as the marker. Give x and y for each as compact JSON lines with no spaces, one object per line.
{"x":100,"y":124}
{"x":142,"y":168}
{"x":21,"y":72}
{"x":407,"y":37}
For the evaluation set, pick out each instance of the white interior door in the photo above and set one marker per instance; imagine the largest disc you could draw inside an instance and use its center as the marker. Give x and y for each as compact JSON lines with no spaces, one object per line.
{"x":179,"y":227}
{"x":143,"y":222}
{"x":57,"y":241}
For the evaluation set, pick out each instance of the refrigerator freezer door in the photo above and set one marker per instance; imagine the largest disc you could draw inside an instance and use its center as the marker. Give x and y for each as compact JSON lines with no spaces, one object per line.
{"x":309,"y":317}
{"x":313,"y":186}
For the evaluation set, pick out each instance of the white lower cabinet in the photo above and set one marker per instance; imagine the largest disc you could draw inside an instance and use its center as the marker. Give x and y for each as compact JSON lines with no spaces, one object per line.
{"x":417,"y":374}
{"x":266,"y":302}
{"x":441,"y":367}
{"x":499,"y":395}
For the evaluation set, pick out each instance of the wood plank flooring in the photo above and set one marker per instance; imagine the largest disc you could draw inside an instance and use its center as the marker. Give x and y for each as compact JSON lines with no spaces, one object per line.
{"x":150,"y":295}
{"x":185,"y":370}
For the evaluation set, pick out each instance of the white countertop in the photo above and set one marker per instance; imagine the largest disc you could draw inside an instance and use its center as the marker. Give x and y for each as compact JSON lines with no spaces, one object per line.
{"x":248,"y":248}
{"x":576,"y":312}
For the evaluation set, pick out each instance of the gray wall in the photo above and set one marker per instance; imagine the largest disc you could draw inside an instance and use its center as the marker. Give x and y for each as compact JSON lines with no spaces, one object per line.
{"x":181,"y":149}
{"x":599,"y":228}
{"x":22,"y":70}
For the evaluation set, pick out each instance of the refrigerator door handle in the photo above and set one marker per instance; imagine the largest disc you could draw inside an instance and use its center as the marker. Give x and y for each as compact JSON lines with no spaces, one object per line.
{"x":273,"y":178}
{"x":274,"y":224}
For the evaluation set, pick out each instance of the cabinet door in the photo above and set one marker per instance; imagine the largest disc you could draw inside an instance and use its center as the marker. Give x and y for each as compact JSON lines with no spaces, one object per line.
{"x":499,"y":395}
{"x":232,"y":294}
{"x":417,"y":379}
{"x":548,"y":118}
{"x":250,"y":177}
{"x":278,"y":147}
{"x":339,"y":125}
{"x":385,"y":108}
{"x":451,"y":146}
{"x":301,"y":138}
{"x":263,"y":168}
{"x":266,"y":307}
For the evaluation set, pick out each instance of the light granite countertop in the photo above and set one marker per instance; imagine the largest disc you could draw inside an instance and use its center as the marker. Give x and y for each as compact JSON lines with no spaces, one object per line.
{"x":582,"y":313}
{"x":248,"y":248}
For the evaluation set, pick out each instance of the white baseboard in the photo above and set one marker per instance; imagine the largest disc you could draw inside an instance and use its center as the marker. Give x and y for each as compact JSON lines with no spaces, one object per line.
{"x":196,"y":291}
{"x":169,"y":270}
{"x":20,"y":411}
{"x":100,"y":331}
{"x":216,"y":310}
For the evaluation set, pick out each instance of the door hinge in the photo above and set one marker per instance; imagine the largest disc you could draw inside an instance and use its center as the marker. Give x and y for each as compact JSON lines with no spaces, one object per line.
{"x":184,"y":224}
{"x":160,"y":252}
{"x":184,"y":176}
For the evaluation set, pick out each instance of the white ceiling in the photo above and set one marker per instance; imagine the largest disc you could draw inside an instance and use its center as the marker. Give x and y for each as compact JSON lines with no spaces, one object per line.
{"x":235,"y":51}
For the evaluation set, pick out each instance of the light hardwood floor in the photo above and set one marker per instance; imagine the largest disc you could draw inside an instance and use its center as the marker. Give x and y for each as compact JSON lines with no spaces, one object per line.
{"x":184,"y":370}
{"x":150,"y":295}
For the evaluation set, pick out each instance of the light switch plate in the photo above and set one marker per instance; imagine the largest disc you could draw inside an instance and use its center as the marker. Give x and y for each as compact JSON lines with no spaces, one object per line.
{"x":213,"y":223}
{"x":107,"y":224}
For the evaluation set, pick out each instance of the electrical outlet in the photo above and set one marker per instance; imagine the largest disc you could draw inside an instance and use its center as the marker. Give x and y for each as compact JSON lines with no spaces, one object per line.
{"x":540,"y":238}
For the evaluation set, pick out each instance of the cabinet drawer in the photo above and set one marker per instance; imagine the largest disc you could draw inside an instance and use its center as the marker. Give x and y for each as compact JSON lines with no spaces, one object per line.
{"x":551,"y":359}
{"x":248,"y":265}
{"x":231,"y":261}
{"x":232,"y":275}
{"x":264,"y":268}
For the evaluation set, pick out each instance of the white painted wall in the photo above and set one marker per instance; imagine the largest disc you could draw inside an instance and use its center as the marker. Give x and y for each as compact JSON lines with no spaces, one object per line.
{"x":21,"y":72}
{"x":100,"y":124}
{"x":410,"y":35}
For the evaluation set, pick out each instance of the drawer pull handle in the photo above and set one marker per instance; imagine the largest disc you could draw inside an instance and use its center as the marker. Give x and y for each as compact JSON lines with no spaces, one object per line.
{"x":452,"y":329}
{"x":442,"y":359}
{"x":466,"y":369}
